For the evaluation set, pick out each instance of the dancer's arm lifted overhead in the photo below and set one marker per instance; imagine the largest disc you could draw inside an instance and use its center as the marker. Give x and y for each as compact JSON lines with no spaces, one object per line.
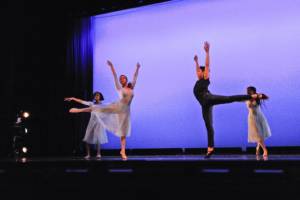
{"x":203,"y":72}
{"x":135,"y":75}
{"x":118,"y":87}
{"x":207,"y":64}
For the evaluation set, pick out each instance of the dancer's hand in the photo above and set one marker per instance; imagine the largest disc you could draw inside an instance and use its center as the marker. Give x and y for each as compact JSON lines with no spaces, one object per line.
{"x":206,"y":46}
{"x":196,"y":58}
{"x":109,"y":63}
{"x":69,"y":99}
{"x":138,"y":65}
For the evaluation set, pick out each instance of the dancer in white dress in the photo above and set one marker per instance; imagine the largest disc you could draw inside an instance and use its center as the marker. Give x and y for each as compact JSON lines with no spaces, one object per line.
{"x":95,"y":132}
{"x":115,"y":117}
{"x":258,"y":127}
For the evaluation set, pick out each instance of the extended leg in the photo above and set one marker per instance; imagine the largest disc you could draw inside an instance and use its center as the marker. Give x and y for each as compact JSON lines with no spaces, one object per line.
{"x":212,"y":99}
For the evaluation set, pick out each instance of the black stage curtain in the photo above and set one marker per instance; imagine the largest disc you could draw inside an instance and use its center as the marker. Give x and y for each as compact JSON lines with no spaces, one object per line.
{"x":80,"y":70}
{"x":47,"y":55}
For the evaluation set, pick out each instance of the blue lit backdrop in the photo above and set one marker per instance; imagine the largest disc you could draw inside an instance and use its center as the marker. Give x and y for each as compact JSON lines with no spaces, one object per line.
{"x":253,"y":42}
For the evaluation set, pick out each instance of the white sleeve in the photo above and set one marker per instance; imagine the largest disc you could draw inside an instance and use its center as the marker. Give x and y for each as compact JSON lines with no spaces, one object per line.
{"x":87,"y":103}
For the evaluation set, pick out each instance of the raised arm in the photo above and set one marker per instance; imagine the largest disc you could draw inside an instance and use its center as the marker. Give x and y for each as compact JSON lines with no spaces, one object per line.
{"x":198,"y":70}
{"x":138,"y":66}
{"x":114,"y":75}
{"x":207,"y":64}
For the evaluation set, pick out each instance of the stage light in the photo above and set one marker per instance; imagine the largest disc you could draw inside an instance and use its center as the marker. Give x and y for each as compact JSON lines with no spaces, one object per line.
{"x":26,"y":114}
{"x":24,"y":150}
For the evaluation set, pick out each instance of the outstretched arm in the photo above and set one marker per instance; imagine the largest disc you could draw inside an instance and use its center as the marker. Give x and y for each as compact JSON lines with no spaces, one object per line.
{"x":207,"y":67}
{"x":135,"y":74}
{"x":80,"y":110}
{"x":77,"y":100}
{"x":114,"y":75}
{"x":198,"y":70}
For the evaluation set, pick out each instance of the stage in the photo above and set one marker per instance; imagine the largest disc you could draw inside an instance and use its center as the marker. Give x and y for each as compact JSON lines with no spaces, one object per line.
{"x":152,"y":177}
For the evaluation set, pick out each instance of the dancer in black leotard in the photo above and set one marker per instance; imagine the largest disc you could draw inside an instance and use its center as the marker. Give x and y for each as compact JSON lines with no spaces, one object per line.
{"x":208,"y":100}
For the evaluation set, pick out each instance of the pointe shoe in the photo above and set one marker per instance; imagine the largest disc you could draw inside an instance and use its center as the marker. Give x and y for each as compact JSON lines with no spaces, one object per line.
{"x":87,"y":157}
{"x":123,"y":156}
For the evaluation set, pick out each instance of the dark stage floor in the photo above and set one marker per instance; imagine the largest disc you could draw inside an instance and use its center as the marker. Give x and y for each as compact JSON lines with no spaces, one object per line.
{"x":152,"y":177}
{"x":176,"y":158}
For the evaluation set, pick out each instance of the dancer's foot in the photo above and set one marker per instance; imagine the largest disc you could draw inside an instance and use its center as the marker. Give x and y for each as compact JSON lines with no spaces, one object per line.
{"x":210,"y":152}
{"x":87,"y":157}
{"x":257,"y":157}
{"x":265,"y":158}
{"x":74,"y":110}
{"x":98,"y":156}
{"x":123,"y":155}
{"x":265,"y":153}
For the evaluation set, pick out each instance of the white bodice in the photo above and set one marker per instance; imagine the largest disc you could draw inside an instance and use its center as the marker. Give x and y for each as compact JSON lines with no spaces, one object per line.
{"x":126,"y":95}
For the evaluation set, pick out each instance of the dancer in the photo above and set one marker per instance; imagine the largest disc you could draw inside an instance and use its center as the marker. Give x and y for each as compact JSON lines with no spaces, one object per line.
{"x":95,"y":133}
{"x":258,"y":127}
{"x":207,"y":100}
{"x":115,"y":117}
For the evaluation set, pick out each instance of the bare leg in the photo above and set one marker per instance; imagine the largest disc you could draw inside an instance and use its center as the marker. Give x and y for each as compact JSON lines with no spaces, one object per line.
{"x":79,"y":110}
{"x":262,"y":144}
{"x":123,"y":146}
{"x":257,"y":149}
{"x":88,"y":153}
{"x":98,"y":151}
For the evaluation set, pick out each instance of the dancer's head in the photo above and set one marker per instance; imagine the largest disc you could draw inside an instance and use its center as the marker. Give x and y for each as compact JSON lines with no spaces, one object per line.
{"x":251,"y":90}
{"x":98,"y":96}
{"x":123,"y":80}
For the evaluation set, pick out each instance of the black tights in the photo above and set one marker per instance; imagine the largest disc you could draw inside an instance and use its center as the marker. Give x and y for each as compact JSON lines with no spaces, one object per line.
{"x":207,"y":102}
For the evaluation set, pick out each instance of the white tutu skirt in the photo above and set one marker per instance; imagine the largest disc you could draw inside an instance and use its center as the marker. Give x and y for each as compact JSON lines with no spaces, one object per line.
{"x":258,"y":127}
{"x":115,"y":118}
{"x":95,"y":133}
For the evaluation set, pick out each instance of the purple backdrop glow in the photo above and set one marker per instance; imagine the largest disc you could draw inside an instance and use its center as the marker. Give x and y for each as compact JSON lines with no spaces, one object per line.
{"x":253,"y":42}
